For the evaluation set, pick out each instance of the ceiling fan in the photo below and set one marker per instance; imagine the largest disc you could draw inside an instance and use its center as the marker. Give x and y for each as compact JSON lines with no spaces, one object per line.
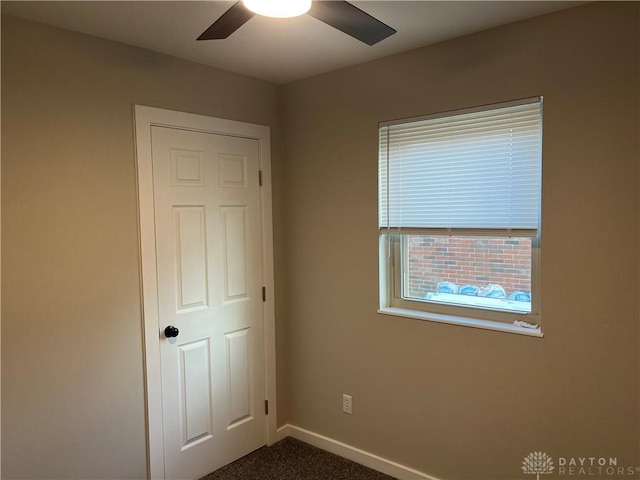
{"x":339,"y":14}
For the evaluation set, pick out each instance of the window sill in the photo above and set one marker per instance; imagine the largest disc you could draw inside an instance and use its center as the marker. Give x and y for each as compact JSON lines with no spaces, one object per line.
{"x":461,"y":321}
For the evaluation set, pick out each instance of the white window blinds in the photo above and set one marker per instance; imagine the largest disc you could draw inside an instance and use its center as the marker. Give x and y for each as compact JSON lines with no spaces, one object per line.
{"x":472,"y":170}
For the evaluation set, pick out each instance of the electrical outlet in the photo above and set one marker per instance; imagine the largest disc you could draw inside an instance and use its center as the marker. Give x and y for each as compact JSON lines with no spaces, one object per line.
{"x":347,"y":403}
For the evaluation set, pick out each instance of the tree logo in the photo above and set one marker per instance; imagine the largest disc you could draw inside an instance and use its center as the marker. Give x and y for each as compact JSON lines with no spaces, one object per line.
{"x":537,"y":463}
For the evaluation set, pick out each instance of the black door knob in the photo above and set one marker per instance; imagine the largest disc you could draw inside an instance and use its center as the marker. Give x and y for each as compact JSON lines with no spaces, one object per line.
{"x":171,"y":331}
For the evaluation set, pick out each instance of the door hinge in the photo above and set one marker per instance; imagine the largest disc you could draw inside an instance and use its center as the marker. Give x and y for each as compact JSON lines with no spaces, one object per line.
{"x":260,"y":177}
{"x":264,"y":294}
{"x":266,"y":407}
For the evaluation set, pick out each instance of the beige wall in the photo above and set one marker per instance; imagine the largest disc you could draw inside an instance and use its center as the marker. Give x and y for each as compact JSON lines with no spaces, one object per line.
{"x":456,"y":402}
{"x":72,"y":396}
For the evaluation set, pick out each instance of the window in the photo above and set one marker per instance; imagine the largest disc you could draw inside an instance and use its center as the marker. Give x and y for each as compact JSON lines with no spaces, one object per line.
{"x":459,"y":216}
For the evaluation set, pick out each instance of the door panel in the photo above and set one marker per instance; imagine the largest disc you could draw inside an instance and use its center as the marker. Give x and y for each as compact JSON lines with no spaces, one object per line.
{"x":237,"y":349}
{"x":191,"y":260}
{"x":234,"y":227}
{"x":195,"y":385}
{"x":209,"y":276}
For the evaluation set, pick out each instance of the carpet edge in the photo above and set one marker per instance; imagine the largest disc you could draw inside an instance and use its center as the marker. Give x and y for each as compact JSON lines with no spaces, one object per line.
{"x":349,"y":452}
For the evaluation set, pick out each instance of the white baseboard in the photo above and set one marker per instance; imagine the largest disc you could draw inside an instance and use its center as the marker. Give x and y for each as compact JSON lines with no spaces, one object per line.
{"x":352,"y":453}
{"x":280,"y":434}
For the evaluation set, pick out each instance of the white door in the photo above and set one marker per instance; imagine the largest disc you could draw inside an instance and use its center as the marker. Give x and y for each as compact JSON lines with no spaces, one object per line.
{"x":209,"y":277}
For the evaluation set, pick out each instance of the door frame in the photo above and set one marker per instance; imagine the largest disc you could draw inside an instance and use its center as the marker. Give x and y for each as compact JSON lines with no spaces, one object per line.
{"x":145,"y":118}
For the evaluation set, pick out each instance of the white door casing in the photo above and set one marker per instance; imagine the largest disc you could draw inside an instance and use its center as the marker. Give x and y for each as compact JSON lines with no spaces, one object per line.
{"x":207,"y":287}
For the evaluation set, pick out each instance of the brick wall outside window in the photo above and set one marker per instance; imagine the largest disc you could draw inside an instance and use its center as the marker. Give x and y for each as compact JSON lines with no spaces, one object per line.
{"x":475,"y":261}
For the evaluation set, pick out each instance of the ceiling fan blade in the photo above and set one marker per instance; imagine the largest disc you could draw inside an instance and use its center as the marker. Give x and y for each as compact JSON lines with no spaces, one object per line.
{"x":229,"y":22}
{"x":351,"y":20}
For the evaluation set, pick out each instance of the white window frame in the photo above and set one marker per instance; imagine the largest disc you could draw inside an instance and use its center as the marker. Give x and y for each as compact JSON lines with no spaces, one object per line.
{"x":391,"y":273}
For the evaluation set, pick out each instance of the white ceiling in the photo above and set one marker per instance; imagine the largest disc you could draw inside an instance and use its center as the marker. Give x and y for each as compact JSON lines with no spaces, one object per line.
{"x":278,"y":50}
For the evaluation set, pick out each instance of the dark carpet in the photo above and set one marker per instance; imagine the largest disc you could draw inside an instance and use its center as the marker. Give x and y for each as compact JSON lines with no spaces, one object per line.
{"x":291,"y":459}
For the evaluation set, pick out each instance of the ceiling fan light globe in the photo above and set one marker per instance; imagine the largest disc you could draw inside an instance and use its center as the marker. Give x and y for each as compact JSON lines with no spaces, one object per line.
{"x":278,"y":8}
